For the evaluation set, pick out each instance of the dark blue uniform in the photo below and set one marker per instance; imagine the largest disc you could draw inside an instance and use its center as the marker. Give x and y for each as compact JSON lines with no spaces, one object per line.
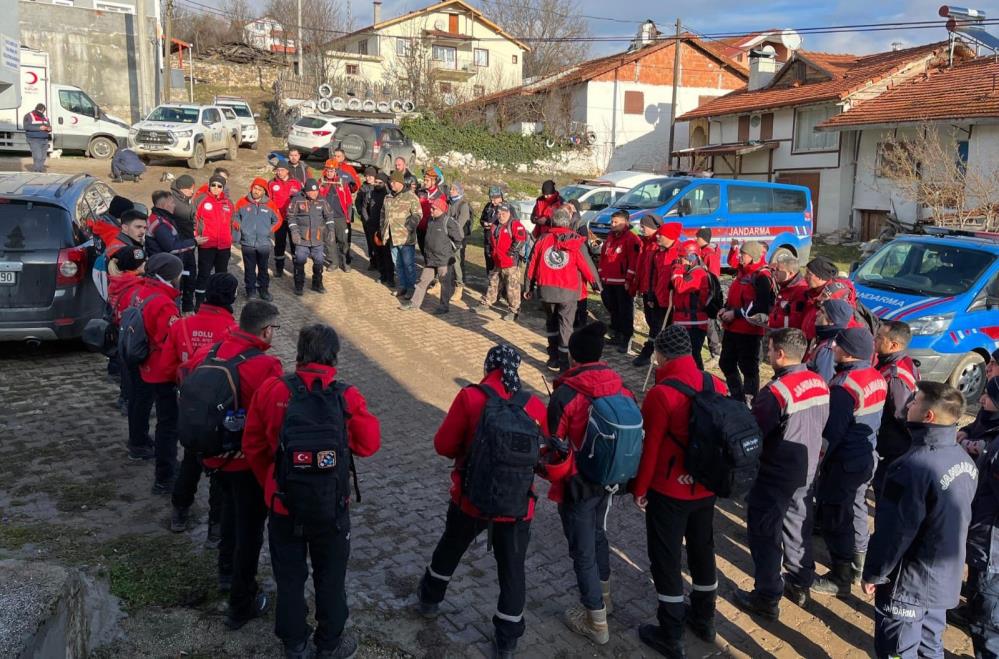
{"x":983,"y":555}
{"x":901,"y":374}
{"x":916,"y":555}
{"x":791,"y":410}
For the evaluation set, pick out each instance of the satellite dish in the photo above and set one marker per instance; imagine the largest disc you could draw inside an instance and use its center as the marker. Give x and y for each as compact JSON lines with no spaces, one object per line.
{"x":439,"y":25}
{"x":769,"y":51}
{"x":790,"y":39}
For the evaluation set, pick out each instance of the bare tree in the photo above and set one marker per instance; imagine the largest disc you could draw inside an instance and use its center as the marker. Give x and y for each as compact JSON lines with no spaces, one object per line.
{"x":204,"y":31}
{"x":322,"y":22}
{"x":924,"y":166}
{"x":239,"y":13}
{"x":548,"y":27}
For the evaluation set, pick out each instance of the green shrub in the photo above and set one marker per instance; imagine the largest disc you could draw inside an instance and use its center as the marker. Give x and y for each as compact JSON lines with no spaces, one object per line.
{"x":441,"y":135}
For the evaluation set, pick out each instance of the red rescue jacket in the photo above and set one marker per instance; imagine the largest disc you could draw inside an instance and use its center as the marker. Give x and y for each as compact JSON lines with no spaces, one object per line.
{"x":281,"y":193}
{"x":666,"y":413}
{"x":158,"y":314}
{"x":691,"y":288}
{"x":559,"y":268}
{"x":542,"y":213}
{"x":642,"y":282}
{"x":711,"y":258}
{"x":265,"y":418}
{"x":742,"y":296}
{"x":213,"y":219}
{"x":837,"y":289}
{"x":503,"y":240}
{"x":454,"y":437}
{"x":192,"y":333}
{"x":789,"y":308}
{"x":661,"y":264}
{"x":619,"y":258}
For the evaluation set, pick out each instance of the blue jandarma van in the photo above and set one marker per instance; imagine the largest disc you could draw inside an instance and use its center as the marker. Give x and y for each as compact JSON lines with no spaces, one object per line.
{"x":776,"y":214}
{"x":946,"y":287}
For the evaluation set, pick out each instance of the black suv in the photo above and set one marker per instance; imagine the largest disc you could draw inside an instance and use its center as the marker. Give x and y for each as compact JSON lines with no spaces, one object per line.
{"x":47,"y":254}
{"x":369,"y":143}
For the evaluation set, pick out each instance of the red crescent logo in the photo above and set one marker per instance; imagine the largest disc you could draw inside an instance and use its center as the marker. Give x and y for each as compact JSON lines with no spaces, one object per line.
{"x":75,"y":120}
{"x":32,"y":77}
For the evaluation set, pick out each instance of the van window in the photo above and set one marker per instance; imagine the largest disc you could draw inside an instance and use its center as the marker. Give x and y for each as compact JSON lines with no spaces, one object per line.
{"x":747,"y":199}
{"x":924,"y":269}
{"x":702,"y":200}
{"x":75,"y":101}
{"x":789,"y":201}
{"x":653,"y":194}
{"x":27,"y":226}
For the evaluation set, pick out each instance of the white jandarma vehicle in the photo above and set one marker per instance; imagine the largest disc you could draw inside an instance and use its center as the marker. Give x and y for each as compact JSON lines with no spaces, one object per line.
{"x":193,"y":133}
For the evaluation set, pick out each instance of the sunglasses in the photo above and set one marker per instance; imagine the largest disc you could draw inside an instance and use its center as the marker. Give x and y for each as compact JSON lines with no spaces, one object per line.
{"x":274,"y":327}
{"x":215,"y":185}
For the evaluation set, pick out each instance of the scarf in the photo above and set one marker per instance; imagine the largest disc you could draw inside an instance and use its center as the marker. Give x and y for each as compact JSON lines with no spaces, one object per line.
{"x":505,"y":358}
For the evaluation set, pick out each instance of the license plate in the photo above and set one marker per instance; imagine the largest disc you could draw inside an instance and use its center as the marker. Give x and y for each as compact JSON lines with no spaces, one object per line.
{"x":8,"y":278}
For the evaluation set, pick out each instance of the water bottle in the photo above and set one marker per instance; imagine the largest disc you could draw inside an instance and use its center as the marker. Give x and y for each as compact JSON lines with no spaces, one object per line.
{"x":234,"y":421}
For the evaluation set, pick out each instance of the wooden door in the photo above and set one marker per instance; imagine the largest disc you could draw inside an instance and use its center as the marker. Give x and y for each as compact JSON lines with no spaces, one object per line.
{"x":809,"y":180}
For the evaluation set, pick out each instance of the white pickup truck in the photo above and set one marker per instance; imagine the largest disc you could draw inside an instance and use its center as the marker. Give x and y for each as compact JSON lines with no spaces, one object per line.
{"x":193,"y":133}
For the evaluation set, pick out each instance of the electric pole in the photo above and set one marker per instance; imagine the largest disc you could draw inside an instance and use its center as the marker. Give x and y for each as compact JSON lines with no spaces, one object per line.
{"x":299,"y":50}
{"x":676,"y":83}
{"x":167,"y":47}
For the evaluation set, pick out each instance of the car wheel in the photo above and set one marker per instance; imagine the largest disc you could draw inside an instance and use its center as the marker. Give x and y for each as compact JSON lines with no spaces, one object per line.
{"x":254,"y":146}
{"x":197,"y":161}
{"x":969,"y":376}
{"x":232,"y":152}
{"x":102,"y":148}
{"x":354,"y":147}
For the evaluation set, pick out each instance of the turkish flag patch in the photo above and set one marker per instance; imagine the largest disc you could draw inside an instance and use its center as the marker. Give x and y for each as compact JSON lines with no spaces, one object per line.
{"x":302,"y":458}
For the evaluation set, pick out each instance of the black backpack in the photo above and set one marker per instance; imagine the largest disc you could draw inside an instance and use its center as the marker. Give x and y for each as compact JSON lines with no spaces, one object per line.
{"x":313,"y":464}
{"x":133,"y":344}
{"x":499,"y":471}
{"x":716,"y":298}
{"x":725,"y":442}
{"x":211,"y":416}
{"x":868,"y":318}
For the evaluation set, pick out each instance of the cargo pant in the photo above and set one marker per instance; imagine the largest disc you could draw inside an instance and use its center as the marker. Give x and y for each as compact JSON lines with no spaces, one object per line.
{"x":508,"y":278}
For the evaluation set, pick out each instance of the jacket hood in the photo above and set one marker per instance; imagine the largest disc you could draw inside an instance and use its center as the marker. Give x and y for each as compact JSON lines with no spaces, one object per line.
{"x":674,"y":367}
{"x":591,"y":380}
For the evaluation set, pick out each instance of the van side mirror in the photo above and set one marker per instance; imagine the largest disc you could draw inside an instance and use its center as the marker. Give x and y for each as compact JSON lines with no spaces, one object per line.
{"x":673,"y":212}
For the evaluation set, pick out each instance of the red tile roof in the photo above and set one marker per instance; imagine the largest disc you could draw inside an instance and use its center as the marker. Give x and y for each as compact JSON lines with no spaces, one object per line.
{"x":846,"y":74}
{"x":968,"y":90}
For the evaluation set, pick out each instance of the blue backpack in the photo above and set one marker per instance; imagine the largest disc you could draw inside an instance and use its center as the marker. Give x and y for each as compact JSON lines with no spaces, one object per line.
{"x":612,"y":447}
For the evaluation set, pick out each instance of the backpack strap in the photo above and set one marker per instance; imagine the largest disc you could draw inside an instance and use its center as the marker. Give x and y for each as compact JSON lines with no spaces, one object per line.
{"x":684,"y":389}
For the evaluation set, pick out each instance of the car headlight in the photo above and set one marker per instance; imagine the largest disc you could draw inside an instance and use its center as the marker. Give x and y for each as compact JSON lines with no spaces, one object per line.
{"x":132,"y":132}
{"x":183,"y":133}
{"x":929,"y":325}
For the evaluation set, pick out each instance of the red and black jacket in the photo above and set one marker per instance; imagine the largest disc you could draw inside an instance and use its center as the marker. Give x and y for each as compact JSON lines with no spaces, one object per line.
{"x":837,"y":289}
{"x":505,"y":242}
{"x":619,"y":258}
{"x":691,"y":290}
{"x":792,"y":301}
{"x":559,"y":267}
{"x":750,"y":297}
{"x":542,"y":213}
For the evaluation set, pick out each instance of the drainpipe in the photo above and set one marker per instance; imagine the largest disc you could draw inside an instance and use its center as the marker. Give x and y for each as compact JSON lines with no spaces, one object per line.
{"x":613,"y":119}
{"x":853,"y":186}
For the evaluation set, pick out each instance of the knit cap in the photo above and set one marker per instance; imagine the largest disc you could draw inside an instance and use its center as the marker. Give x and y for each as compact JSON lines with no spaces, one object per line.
{"x":856,"y":342}
{"x":650,"y":221}
{"x":164,"y":265}
{"x":823,"y":268}
{"x":587,"y":343}
{"x":673,"y":341}
{"x":752,"y":249}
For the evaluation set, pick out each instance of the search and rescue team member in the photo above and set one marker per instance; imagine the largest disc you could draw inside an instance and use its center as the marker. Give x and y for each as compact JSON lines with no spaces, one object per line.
{"x":617,"y":267}
{"x":309,"y":219}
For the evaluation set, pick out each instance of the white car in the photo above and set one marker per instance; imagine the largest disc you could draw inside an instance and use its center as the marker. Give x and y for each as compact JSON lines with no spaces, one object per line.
{"x":247,"y":119}
{"x":312,"y":134}
{"x":183,"y":131}
{"x":591,"y":195}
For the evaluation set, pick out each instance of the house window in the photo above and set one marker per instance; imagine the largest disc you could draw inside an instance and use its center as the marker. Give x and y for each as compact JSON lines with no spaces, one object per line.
{"x":478,"y":90}
{"x":481,"y":57}
{"x":634,"y":102}
{"x":403,"y":47}
{"x":447,"y":56}
{"x":514,"y":59}
{"x":445,"y":87}
{"x":806,"y":138}
{"x":743,"y":128}
{"x":353,"y":69}
{"x":962,"y":156}
{"x":894,"y":160}
{"x":362,"y":47}
{"x":114,"y":7}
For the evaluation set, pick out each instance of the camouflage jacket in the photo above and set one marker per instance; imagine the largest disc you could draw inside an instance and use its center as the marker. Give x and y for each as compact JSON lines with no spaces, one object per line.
{"x":401,"y":214}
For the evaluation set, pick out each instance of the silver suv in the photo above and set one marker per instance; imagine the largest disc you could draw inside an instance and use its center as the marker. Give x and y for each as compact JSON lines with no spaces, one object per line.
{"x":189,"y":132}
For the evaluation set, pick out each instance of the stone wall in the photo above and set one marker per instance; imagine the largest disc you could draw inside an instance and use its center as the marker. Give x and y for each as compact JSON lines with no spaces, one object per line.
{"x":227,"y":74}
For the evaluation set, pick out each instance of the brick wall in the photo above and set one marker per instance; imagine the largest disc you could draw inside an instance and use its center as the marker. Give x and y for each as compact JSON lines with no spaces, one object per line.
{"x":696,"y":70}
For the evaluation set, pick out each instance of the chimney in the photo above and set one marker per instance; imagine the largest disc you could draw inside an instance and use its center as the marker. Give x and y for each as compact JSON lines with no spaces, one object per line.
{"x":377,"y":12}
{"x":762,"y":67}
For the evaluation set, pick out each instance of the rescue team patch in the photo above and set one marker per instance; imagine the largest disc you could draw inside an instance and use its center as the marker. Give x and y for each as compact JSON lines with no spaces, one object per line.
{"x":556,"y":259}
{"x":138,"y":254}
{"x":326,"y":459}
{"x":303,"y":458}
{"x":208,"y":205}
{"x":323,"y":459}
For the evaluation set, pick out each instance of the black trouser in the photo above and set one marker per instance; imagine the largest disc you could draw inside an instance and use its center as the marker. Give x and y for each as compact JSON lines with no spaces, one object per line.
{"x":327,"y":549}
{"x":714,"y":337}
{"x":255,"y":275}
{"x":459,"y":265}
{"x":841,"y":495}
{"x":189,"y":282}
{"x":421,"y":239}
{"x":487,"y":251}
{"x":668,"y":522}
{"x":302,"y":254}
{"x":655,"y":318}
{"x":510,"y":540}
{"x":243,"y":515}
{"x":210,"y":261}
{"x":143,"y":396}
{"x":583,"y":524}
{"x":338,"y":244}
{"x":579,"y":319}
{"x":697,"y":335}
{"x":983,"y":605}
{"x":559,"y":317}
{"x":185,"y":488}
{"x":741,"y":352}
{"x":386,"y":266}
{"x":370,"y":230}
{"x":621,"y":308}
{"x":284,"y":243}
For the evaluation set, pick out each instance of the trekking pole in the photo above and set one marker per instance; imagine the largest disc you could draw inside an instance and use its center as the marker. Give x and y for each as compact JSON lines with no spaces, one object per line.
{"x":648,"y":373}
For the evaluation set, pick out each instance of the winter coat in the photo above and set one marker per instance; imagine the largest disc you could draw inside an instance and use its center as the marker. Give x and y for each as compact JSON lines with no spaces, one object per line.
{"x":158,"y":314}
{"x":837,"y":289}
{"x":461,"y":212}
{"x":33,"y":123}
{"x":183,"y":212}
{"x":857,"y":395}
{"x":901,"y":374}
{"x":189,"y":334}
{"x":339,"y":198}
{"x":265,"y":420}
{"x":691,"y":289}
{"x":505,"y":243}
{"x":400,"y":216}
{"x":443,"y":237}
{"x":559,"y":267}
{"x":711,"y":258}
{"x":541,"y":216}
{"x":751,"y":296}
{"x":281,"y":193}
{"x":256,"y":221}
{"x":124,"y":255}
{"x":619,"y":258}
{"x":309,"y":220}
{"x":789,"y":307}
{"x":369,"y":202}
{"x":163,"y":235}
{"x":983,"y":531}
{"x":213,"y":220}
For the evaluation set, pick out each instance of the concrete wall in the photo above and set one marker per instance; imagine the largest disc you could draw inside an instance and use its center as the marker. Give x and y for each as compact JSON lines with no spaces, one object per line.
{"x":10,"y":76}
{"x":100,"y":52}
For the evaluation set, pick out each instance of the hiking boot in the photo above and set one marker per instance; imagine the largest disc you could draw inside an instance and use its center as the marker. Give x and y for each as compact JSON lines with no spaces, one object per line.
{"x":317,"y":285}
{"x":346,"y":268}
{"x":427,"y":609}
{"x":605,"y":589}
{"x":504,"y":649}
{"x":141,"y":452}
{"x":796,"y":594}
{"x":432,"y":284}
{"x":552,"y":363}
{"x":251,"y":295}
{"x":835,"y":582}
{"x":406,"y":306}
{"x":299,"y":291}
{"x":400,"y":292}
{"x":644,"y":359}
{"x":511,"y":316}
{"x":300,"y":651}
{"x":440,"y":311}
{"x":346,"y":649}
{"x":857,"y":566}
{"x":179,"y":518}
{"x":752,"y":603}
{"x":409,"y":293}
{"x":265,"y":295}
{"x":260,"y":606}
{"x":563,"y":363}
{"x":225,"y":583}
{"x":653,"y":637}
{"x":214,"y":535}
{"x":703,"y":629}
{"x":960,"y":617}
{"x":623,"y":345}
{"x":162,"y":488}
{"x":591,"y":624}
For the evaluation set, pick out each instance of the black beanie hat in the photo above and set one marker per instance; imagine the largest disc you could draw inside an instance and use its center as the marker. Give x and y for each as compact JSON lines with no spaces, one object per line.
{"x":548,"y":187}
{"x":823,"y":268}
{"x":673,"y":341}
{"x":704,"y":233}
{"x":164,"y":265}
{"x":183,"y":182}
{"x":856,"y":342}
{"x":221,"y":290}
{"x":587,"y":343}
{"x":119,"y":205}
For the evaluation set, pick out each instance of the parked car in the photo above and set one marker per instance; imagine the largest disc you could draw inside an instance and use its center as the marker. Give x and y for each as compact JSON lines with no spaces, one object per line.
{"x":945,"y":285}
{"x":232,"y":122}
{"x":47,"y":254}
{"x":311,"y":135}
{"x":247,"y":119}
{"x":370,"y":143}
{"x":189,"y":132}
{"x":776,"y":214}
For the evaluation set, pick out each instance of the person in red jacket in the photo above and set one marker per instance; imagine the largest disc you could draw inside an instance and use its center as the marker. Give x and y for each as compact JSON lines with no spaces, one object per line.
{"x":505,"y":237}
{"x":348,"y":170}
{"x":428,"y":194}
{"x":126,"y":252}
{"x":657,"y":298}
{"x":676,"y":508}
{"x":243,"y":510}
{"x":824,"y":283}
{"x":464,"y":523}
{"x":711,"y":258}
{"x":691,"y":284}
{"x":187,"y":336}
{"x":281,"y":190}
{"x":617,"y":267}
{"x":335,"y":189}
{"x":582,"y":505}
{"x":327,"y":547}
{"x":789,"y":307}
{"x":152,"y":382}
{"x":549,"y":202}
{"x":560,"y":268}
{"x":745,"y":318}
{"x":213,"y":220}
